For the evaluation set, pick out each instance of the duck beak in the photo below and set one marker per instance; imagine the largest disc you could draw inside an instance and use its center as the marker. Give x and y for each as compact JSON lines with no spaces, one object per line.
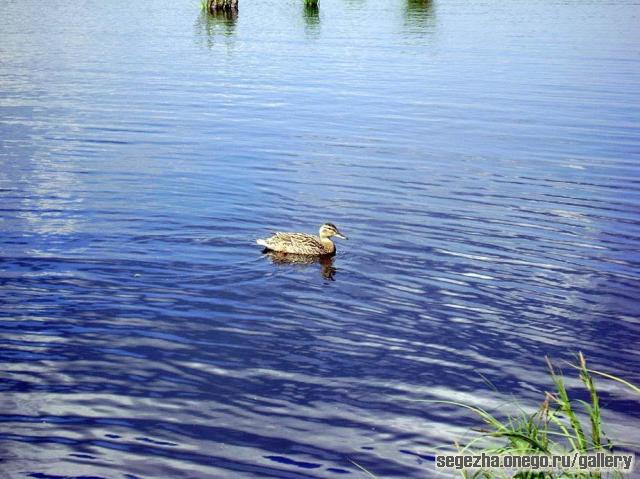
{"x":340,"y":235}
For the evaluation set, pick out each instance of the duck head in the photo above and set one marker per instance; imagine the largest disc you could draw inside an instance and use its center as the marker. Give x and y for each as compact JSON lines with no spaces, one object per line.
{"x":328,"y":230}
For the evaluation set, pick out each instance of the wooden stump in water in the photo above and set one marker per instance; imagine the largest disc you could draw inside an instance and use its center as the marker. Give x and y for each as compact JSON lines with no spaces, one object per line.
{"x":215,"y":6}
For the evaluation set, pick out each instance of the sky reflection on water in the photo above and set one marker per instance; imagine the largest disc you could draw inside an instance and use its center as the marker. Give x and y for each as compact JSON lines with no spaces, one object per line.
{"x":481,"y":157}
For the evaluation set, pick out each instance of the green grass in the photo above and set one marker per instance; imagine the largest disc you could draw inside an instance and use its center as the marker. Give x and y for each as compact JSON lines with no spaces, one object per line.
{"x":209,"y":5}
{"x":562,"y":425}
{"x":212,"y":6}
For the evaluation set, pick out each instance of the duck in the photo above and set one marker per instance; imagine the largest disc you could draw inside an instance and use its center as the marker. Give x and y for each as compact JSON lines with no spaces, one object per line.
{"x":303,"y":243}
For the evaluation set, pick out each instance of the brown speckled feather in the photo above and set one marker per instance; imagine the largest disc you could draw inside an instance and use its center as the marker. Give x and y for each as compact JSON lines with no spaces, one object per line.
{"x":297,"y":243}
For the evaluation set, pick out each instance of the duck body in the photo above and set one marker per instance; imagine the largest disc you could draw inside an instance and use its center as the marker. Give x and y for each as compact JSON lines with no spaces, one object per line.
{"x":298,"y":243}
{"x":302,"y":243}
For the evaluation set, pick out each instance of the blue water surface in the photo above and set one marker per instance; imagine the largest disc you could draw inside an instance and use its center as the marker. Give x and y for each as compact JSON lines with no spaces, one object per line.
{"x":481,"y":155}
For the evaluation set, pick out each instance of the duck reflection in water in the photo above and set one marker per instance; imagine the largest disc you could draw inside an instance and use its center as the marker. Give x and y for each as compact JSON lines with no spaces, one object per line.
{"x":327,"y":270}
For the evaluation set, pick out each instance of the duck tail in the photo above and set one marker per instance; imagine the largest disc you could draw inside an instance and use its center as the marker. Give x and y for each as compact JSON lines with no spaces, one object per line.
{"x":262,"y":242}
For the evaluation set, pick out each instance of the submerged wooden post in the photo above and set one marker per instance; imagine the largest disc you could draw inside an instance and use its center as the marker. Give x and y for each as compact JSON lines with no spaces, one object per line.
{"x":215,"y":6}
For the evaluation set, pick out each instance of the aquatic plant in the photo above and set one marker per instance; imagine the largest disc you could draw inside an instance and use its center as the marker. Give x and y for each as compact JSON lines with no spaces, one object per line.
{"x":562,"y":425}
{"x":213,"y":6}
{"x":311,"y":3}
{"x":311,"y":14}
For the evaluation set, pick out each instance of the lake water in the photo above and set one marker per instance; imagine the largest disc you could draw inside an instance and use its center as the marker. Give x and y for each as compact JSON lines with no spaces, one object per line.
{"x":482,"y":156}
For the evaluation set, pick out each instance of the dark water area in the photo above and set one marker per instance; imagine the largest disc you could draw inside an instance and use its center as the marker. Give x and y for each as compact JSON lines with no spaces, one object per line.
{"x":482,"y":157}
